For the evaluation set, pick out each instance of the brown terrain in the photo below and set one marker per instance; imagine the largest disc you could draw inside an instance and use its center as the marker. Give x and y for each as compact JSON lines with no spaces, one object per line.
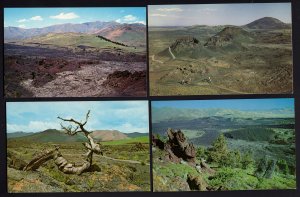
{"x":108,"y":135}
{"x":108,"y":62}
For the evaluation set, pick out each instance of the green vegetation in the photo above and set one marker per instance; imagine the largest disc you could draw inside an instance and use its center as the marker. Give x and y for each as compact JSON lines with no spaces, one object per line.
{"x":76,"y":40}
{"x":235,"y":168}
{"x":252,"y":134}
{"x":142,"y":139}
{"x":124,"y":166}
{"x":214,"y":60}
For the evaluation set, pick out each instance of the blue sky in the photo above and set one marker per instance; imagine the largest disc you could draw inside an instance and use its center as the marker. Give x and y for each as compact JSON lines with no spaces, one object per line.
{"x":42,"y":17}
{"x":125,"y":116}
{"x":238,"y":104}
{"x":216,"y":14}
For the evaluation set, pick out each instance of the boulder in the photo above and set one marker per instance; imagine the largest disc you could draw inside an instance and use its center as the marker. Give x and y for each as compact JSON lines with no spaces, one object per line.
{"x":196,"y":183}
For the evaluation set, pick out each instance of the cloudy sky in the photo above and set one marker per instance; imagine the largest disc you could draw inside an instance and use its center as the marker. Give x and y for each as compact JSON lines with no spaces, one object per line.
{"x":238,"y":104}
{"x":42,"y":17}
{"x":125,"y":116}
{"x":216,"y":14}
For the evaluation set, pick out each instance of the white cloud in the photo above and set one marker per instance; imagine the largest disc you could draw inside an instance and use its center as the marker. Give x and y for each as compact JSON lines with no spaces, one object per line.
{"x":156,"y":14}
{"x":170,"y":9}
{"x":36,"y":18}
{"x":104,"y":115}
{"x":33,"y":126}
{"x":130,"y":19}
{"x":22,"y":26}
{"x":22,"y":20}
{"x":62,"y":16}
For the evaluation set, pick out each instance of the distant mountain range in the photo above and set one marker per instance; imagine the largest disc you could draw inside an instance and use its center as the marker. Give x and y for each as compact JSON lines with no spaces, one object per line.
{"x":170,"y":114}
{"x":112,"y":30}
{"x":53,"y":135}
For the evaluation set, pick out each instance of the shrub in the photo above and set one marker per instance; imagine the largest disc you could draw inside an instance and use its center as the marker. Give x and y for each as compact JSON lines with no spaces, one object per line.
{"x":265,"y":168}
{"x":283,"y":167}
{"x":247,"y":160}
{"x":201,"y":153}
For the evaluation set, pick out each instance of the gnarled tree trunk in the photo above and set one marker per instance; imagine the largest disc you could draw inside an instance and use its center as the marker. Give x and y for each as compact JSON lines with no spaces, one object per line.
{"x":62,"y":163}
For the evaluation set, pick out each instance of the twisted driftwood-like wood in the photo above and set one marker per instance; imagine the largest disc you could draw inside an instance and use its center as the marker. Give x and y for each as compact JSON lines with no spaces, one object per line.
{"x":62,"y":163}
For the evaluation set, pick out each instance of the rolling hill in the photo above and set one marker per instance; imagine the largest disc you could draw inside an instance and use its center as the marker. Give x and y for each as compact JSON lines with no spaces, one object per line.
{"x":108,"y":135}
{"x":53,"y":135}
{"x":229,"y":35}
{"x":73,"y":40}
{"x":226,"y":38}
{"x":131,"y":34}
{"x":267,"y":23}
{"x":127,"y":33}
{"x":18,"y":134}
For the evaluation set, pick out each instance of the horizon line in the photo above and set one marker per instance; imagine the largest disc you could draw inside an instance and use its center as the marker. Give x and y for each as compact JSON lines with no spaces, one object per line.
{"x":62,"y":130}
{"x":76,"y":24}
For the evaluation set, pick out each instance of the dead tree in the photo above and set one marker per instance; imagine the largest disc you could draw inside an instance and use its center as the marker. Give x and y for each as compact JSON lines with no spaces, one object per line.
{"x":63,"y":165}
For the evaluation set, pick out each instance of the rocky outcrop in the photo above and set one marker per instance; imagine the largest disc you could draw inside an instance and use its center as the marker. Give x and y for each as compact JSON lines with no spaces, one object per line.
{"x":184,"y":43}
{"x":157,"y":142}
{"x":126,"y":82}
{"x":177,"y":147}
{"x":180,"y":146}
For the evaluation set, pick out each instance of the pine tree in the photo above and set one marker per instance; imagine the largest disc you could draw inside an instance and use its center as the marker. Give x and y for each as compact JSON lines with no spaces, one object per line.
{"x":219,"y":152}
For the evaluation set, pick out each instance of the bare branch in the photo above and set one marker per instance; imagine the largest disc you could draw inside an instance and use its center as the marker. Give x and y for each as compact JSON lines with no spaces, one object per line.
{"x":87,"y":117}
{"x":70,"y":120}
{"x":69,"y":130}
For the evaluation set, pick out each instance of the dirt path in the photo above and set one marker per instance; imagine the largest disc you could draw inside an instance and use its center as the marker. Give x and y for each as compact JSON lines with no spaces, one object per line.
{"x":230,"y":90}
{"x":153,"y":59}
{"x":170,"y":51}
